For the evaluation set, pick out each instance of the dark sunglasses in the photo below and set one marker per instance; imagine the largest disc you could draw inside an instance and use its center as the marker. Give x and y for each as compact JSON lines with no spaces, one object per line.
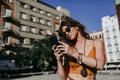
{"x":67,"y":29}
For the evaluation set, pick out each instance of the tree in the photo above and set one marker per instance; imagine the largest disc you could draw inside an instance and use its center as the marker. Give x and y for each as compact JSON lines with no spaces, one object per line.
{"x":43,"y":58}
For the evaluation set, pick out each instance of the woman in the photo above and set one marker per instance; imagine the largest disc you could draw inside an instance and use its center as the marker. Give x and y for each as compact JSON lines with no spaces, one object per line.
{"x":82,"y":56}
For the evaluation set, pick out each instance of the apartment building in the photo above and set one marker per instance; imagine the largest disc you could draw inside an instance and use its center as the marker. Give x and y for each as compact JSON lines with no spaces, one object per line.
{"x":35,"y":19}
{"x":111,"y":34}
{"x":97,"y":35}
{"x":23,"y":21}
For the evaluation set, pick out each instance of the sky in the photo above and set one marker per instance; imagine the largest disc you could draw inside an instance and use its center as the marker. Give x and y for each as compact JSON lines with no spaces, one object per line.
{"x":87,"y":12}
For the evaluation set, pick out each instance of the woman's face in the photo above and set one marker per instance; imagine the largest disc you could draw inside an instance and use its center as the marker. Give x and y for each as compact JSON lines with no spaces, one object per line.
{"x":70,"y":32}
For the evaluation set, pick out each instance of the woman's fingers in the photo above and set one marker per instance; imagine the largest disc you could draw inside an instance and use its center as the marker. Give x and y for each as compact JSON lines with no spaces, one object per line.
{"x":56,"y":52}
{"x":53,"y":48}
{"x":62,"y":43}
{"x":63,"y":48}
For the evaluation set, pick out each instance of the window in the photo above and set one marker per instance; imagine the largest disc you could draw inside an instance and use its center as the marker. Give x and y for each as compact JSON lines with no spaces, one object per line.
{"x":117,"y":49}
{"x":23,"y":28}
{"x":9,"y":1}
{"x":109,"y":50}
{"x":23,"y":5}
{"x":113,"y":29}
{"x":32,"y":8}
{"x":41,"y":21}
{"x":109,"y":45}
{"x":26,"y":41}
{"x":33,"y":30}
{"x":118,"y":56}
{"x":6,"y":25}
{"x":41,"y":11}
{"x":7,"y":12}
{"x":111,"y":57}
{"x":42,"y":32}
{"x":107,"y":31}
{"x":115,"y":36}
{"x":48,"y":23}
{"x":49,"y":32}
{"x":48,"y":14}
{"x":9,"y":40}
{"x":108,"y":38}
{"x":57,"y":17}
{"x":116,"y":44}
{"x":56,"y":27}
{"x":100,"y":36}
{"x":23,"y":16}
{"x":32,"y":18}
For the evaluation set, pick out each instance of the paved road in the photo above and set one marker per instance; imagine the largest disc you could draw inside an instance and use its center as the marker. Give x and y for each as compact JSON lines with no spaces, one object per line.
{"x":55,"y":77}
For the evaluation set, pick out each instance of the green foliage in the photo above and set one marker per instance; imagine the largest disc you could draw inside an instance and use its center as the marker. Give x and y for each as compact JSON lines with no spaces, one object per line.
{"x":43,"y":58}
{"x":23,"y":59}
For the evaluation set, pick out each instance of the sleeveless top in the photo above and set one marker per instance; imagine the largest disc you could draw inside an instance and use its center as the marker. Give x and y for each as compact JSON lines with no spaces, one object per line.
{"x":76,"y":68}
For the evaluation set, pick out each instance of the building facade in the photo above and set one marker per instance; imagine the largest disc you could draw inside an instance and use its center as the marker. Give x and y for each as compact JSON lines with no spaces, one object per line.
{"x":34,"y":20}
{"x":24,"y":21}
{"x":111,"y":34}
{"x":97,"y":35}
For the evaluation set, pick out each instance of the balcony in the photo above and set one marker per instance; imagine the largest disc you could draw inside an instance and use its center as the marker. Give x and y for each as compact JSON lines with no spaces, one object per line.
{"x":13,"y":20}
{"x":9,"y":32}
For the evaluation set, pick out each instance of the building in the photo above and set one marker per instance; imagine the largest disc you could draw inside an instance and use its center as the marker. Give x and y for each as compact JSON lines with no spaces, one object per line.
{"x":111,"y":34}
{"x":97,"y":35}
{"x":24,"y":21}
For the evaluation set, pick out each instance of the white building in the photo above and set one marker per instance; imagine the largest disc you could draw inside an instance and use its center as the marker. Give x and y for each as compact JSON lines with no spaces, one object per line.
{"x":96,"y":35}
{"x":111,"y":34}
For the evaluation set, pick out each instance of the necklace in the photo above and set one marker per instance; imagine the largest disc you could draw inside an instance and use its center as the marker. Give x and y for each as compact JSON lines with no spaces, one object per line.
{"x":83,"y":72}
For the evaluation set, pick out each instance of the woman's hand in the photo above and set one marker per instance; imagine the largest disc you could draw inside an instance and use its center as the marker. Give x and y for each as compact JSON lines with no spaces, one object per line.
{"x":57,"y":52}
{"x":66,"y":49}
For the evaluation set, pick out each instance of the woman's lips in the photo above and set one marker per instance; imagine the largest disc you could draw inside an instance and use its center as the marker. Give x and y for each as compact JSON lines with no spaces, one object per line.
{"x":69,"y":36}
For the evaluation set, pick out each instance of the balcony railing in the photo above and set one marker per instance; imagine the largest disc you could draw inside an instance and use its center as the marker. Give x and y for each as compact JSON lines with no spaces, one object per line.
{"x":12,"y":20}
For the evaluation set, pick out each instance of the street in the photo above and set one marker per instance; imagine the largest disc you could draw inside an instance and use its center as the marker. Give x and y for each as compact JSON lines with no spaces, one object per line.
{"x":55,"y":77}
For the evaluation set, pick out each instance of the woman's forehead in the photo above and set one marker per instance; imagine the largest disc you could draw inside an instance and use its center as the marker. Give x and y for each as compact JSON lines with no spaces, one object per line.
{"x":64,"y":28}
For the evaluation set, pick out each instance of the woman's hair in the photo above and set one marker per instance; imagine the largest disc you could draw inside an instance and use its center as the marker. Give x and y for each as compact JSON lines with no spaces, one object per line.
{"x":69,"y":22}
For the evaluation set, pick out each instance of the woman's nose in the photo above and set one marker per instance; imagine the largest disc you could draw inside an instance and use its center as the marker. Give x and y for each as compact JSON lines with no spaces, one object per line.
{"x":66,"y":33}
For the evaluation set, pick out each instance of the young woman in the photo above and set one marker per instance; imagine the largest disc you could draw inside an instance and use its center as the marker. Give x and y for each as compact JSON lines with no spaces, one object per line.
{"x":78,"y":57}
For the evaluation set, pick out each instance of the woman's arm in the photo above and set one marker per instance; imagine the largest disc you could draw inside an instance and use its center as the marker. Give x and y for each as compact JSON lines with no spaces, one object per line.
{"x":61,"y":70}
{"x":99,"y":62}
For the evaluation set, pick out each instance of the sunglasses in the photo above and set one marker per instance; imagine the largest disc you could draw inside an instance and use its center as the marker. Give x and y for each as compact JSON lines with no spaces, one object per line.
{"x":67,"y":29}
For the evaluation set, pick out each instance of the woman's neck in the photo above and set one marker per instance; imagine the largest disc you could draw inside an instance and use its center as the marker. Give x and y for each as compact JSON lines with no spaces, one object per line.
{"x":80,"y":38}
{"x":80,"y":43}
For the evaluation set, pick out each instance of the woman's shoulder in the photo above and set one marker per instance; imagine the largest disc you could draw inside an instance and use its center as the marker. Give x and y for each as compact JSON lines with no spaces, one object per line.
{"x":95,"y":42}
{"x":98,"y":42}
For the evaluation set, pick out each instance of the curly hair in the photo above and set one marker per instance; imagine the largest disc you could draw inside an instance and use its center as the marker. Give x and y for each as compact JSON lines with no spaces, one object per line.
{"x":67,"y":21}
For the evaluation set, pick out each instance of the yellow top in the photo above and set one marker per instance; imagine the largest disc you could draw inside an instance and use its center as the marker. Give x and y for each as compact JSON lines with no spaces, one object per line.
{"x":76,"y":68}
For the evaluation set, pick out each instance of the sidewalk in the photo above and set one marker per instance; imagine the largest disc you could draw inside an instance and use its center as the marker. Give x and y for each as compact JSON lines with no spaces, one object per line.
{"x":102,"y":75}
{"x":109,"y":72}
